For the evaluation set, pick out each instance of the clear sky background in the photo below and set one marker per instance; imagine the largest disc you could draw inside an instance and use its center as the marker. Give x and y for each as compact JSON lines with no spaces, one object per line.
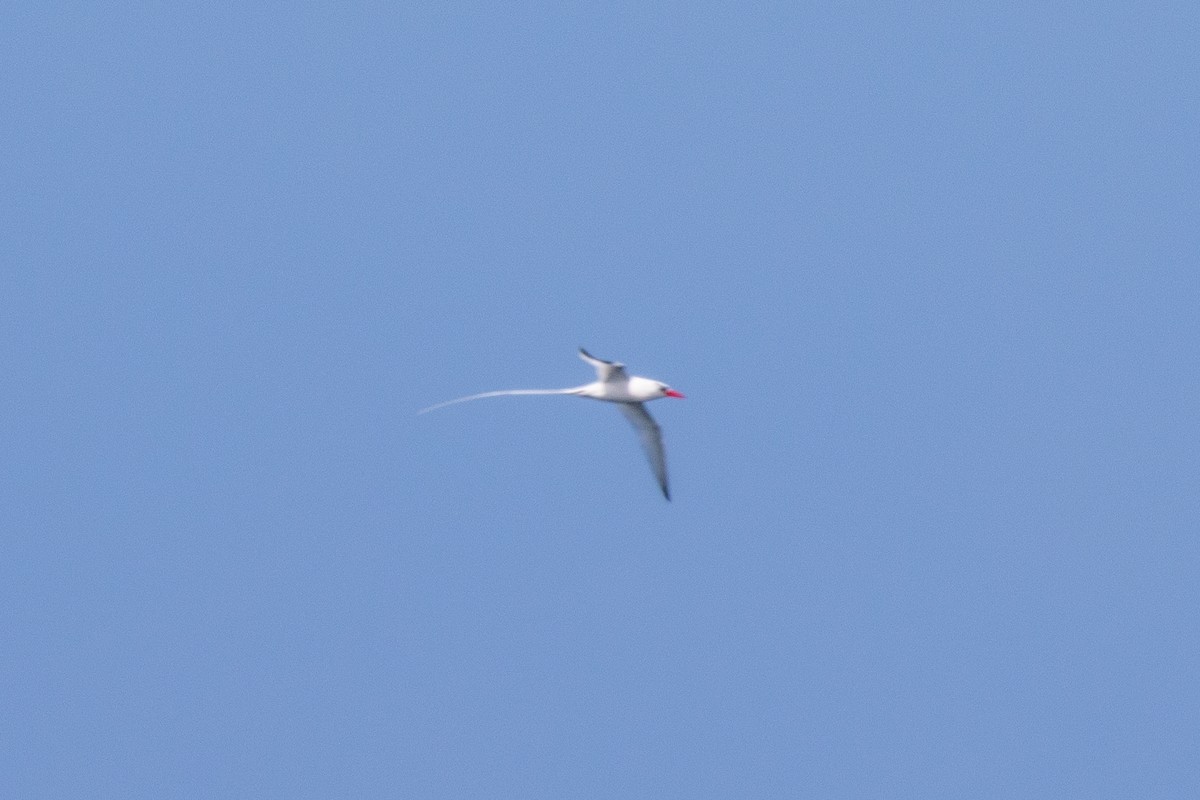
{"x":927,"y":273}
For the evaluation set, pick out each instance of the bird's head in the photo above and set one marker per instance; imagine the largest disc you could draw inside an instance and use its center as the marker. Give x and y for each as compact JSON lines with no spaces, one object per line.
{"x":667,"y":391}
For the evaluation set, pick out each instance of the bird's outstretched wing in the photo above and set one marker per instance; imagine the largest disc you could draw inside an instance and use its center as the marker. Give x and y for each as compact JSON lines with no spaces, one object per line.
{"x":606,"y":371}
{"x":501,"y":393}
{"x":651,"y":437}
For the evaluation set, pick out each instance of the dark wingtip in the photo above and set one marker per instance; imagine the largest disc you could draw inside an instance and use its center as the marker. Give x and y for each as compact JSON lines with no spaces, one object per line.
{"x":666,"y":494}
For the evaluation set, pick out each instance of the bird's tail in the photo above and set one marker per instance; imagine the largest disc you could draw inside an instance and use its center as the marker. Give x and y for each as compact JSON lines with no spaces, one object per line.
{"x":501,"y":393}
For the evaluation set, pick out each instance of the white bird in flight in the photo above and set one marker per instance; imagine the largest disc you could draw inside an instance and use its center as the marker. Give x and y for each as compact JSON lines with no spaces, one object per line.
{"x":612,"y":385}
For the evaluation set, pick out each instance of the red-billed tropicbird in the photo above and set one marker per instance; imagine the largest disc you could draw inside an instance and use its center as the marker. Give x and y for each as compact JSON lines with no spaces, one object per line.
{"x":612,"y":385}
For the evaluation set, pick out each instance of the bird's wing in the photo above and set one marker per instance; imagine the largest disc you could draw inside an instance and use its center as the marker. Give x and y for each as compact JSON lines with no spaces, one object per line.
{"x":652,"y":443}
{"x":498,"y":394}
{"x":606,"y":371}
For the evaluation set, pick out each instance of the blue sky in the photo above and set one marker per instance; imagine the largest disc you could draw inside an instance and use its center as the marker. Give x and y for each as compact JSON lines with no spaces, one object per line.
{"x":927,"y":274}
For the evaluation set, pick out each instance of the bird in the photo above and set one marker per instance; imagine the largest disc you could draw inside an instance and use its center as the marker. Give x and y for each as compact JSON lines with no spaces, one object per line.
{"x":630,"y":393}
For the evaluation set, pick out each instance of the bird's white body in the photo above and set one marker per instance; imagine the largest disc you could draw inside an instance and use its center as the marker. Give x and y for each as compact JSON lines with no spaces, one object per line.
{"x":635,"y":389}
{"x":612,"y":386}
